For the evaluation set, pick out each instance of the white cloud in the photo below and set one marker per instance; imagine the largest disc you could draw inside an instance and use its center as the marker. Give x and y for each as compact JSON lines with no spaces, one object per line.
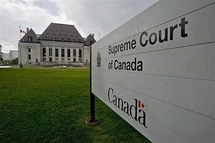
{"x":101,"y":16}
{"x":15,"y":13}
{"x":88,"y":16}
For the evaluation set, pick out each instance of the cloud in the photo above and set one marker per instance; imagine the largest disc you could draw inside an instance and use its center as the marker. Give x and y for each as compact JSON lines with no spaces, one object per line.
{"x":88,"y":16}
{"x":24,"y":13}
{"x":48,"y":5}
{"x":101,"y":16}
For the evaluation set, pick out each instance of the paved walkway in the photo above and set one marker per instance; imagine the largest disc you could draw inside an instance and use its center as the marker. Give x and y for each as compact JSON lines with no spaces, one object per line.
{"x":1,"y":67}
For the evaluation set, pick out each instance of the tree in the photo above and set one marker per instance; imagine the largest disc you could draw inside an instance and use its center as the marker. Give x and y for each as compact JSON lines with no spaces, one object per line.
{"x":14,"y":61}
{"x":1,"y":59}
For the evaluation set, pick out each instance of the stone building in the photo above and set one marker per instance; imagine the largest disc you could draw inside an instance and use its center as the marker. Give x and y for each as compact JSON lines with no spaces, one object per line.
{"x":59,"y":44}
{"x":13,"y":54}
{"x":1,"y":55}
{"x":0,"y":51}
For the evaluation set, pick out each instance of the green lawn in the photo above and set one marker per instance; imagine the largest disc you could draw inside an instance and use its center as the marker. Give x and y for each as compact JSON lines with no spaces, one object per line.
{"x":51,"y":105}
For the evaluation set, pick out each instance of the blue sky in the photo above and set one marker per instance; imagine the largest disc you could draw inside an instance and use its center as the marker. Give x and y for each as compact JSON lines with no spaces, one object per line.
{"x":99,"y":17}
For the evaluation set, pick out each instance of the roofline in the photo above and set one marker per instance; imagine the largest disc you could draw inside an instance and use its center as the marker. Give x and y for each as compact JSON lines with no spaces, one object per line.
{"x":62,"y":24}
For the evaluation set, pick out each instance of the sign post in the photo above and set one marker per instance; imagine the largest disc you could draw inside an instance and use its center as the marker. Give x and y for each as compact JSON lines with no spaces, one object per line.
{"x":92,"y":120}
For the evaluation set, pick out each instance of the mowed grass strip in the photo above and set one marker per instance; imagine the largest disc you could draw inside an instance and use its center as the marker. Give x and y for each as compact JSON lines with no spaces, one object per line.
{"x":51,"y":105}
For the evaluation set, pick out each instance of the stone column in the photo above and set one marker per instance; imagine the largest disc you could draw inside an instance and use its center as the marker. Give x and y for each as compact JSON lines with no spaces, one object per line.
{"x":71,"y":54}
{"x":53,"y":54}
{"x":77,"y":54}
{"x":65,"y":54}
{"x":47,"y":54}
{"x":59,"y":55}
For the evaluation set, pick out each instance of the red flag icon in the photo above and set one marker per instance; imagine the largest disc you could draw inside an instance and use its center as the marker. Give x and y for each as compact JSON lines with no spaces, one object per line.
{"x":22,"y":31}
{"x":140,"y":104}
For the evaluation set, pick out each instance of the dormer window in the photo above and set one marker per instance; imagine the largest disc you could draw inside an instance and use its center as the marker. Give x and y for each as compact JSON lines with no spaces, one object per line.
{"x":30,"y":38}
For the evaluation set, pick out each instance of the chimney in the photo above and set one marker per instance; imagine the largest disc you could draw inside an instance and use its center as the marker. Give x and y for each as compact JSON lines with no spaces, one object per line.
{"x":27,"y":29}
{"x":93,"y":35}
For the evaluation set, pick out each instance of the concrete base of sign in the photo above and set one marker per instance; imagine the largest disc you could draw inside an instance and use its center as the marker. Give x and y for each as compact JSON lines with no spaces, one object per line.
{"x":92,"y":123}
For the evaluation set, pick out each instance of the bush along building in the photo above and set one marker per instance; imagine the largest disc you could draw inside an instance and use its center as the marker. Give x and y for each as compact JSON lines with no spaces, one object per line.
{"x":59,"y":44}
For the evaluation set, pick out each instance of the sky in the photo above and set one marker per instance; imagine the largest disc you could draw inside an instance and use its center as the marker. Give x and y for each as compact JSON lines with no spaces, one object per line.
{"x":98,"y":17}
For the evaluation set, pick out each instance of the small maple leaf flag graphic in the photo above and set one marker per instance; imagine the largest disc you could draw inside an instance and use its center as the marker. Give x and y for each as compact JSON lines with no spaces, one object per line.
{"x":141,"y":104}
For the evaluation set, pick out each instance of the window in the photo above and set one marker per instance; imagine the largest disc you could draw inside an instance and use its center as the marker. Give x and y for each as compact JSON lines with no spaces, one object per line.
{"x":50,"y":51}
{"x":62,"y":52}
{"x":29,"y":50}
{"x":80,"y":53}
{"x":44,"y":52}
{"x":29,"y":38}
{"x":29,"y":56}
{"x":68,"y":52}
{"x":56,"y":52}
{"x":74,"y":52}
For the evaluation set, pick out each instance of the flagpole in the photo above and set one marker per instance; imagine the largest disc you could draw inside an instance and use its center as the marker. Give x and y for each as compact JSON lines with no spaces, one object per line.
{"x":19,"y":32}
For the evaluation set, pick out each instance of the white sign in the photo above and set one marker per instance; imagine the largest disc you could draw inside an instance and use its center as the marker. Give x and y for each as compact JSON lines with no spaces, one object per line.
{"x":157,"y":71}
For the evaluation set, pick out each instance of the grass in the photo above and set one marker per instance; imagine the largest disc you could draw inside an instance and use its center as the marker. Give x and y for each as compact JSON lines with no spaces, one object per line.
{"x":50,"y":105}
